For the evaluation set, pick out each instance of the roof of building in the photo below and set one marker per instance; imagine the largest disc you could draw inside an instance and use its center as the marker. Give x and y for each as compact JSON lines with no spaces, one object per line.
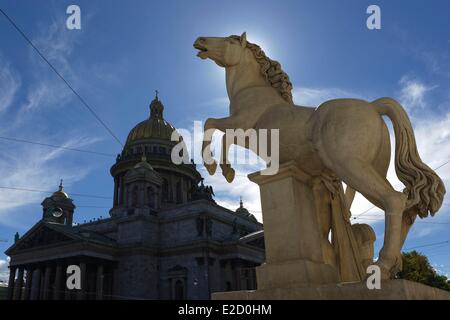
{"x":77,"y":233}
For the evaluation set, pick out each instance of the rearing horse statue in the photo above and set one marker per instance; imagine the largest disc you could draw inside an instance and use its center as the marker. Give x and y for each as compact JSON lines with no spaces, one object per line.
{"x":345,"y":137}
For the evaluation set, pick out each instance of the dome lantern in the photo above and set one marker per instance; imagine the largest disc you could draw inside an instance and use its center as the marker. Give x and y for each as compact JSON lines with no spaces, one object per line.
{"x":156,"y":108}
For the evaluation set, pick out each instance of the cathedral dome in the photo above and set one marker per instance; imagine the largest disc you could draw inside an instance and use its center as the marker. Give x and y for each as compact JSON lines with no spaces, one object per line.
{"x":155,"y":127}
{"x":151,"y":140}
{"x":241,"y":210}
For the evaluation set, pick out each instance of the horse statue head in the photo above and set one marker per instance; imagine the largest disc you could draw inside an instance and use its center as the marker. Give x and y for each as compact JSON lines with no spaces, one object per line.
{"x":236,"y":52}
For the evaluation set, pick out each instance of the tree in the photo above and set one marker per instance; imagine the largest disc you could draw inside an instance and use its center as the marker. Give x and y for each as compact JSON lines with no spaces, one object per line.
{"x":416,"y":267}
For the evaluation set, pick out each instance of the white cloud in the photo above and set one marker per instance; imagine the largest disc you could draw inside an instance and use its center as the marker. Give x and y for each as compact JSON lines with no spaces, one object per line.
{"x":4,"y":271}
{"x":46,"y":94}
{"x":433,"y":153}
{"x":37,"y":168}
{"x":40,"y":167}
{"x":412,"y":93}
{"x":56,"y":44}
{"x":228,"y":194}
{"x":222,"y":102}
{"x":48,"y":91}
{"x":433,"y":142}
{"x":9,"y":84}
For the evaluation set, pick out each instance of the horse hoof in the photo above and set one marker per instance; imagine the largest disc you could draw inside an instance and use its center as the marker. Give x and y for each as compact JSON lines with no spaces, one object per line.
{"x":389,"y":266}
{"x":211,"y":168}
{"x":229,"y":175}
{"x":385,"y":273}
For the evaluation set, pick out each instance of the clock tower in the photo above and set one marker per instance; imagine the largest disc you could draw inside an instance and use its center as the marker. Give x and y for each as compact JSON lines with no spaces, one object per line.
{"x":58,"y":208}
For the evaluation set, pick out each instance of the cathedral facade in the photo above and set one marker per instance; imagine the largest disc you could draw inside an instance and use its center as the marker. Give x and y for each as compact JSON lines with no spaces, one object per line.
{"x":165,"y":237}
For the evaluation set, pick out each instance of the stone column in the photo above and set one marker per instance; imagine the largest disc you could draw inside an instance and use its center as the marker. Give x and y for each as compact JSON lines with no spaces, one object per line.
{"x":82,"y":291}
{"x":18,"y":285}
{"x":121,"y":191}
{"x":99,"y":283}
{"x":116,"y":191}
{"x":67,"y":292}
{"x":294,"y":253}
{"x":28,"y":283}
{"x":57,"y":294}
{"x":46,"y":288}
{"x":35,"y":284}
{"x":41,"y":284}
{"x":12,"y":276}
{"x":237,"y":274}
{"x":69,"y":218}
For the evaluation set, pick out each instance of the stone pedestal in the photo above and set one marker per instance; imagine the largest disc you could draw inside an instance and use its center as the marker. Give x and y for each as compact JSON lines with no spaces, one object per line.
{"x":390,"y":290}
{"x":294,"y":252}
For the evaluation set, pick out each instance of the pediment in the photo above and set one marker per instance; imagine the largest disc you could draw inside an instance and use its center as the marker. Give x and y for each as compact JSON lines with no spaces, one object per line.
{"x":43,"y":235}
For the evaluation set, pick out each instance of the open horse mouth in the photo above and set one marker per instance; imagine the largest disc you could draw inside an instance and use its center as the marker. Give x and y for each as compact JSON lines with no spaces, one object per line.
{"x":203,"y":51}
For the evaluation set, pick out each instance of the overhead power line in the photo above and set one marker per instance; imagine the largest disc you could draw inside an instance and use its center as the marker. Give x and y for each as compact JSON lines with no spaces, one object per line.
{"x":91,"y":110}
{"x":46,"y":191}
{"x":78,"y":206}
{"x":56,"y":146}
{"x":428,"y":245}
{"x":437,"y":168}
{"x":94,"y":207}
{"x":420,"y":222}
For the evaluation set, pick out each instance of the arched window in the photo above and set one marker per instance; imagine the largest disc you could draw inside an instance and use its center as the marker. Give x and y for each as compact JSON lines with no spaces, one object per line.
{"x":179,"y":290}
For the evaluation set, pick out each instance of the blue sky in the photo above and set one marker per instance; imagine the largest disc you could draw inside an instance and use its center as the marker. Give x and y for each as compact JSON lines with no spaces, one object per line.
{"x":126,"y":50}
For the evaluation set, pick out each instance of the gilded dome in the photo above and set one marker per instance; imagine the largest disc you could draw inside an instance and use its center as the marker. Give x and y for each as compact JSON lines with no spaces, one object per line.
{"x":155,"y":127}
{"x":60,"y":193}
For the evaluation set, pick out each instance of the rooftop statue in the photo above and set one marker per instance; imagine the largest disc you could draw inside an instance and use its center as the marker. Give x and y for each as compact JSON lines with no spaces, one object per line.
{"x":342,"y":140}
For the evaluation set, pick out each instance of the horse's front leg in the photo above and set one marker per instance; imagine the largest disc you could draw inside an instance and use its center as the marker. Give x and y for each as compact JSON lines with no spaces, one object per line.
{"x":227,"y":171}
{"x":211,"y":125}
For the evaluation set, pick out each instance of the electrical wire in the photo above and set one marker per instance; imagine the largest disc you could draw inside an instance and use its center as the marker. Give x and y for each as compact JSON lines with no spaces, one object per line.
{"x":88,"y":107}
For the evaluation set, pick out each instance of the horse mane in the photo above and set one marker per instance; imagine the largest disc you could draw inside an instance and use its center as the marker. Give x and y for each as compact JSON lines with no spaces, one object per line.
{"x":271,"y":70}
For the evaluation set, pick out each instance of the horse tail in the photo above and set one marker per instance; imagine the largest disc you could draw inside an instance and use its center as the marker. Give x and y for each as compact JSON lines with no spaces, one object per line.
{"x":424,"y":188}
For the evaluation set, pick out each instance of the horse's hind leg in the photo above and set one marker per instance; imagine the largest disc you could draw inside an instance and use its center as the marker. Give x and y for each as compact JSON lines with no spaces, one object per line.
{"x":364,"y":178}
{"x":409,"y":216}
